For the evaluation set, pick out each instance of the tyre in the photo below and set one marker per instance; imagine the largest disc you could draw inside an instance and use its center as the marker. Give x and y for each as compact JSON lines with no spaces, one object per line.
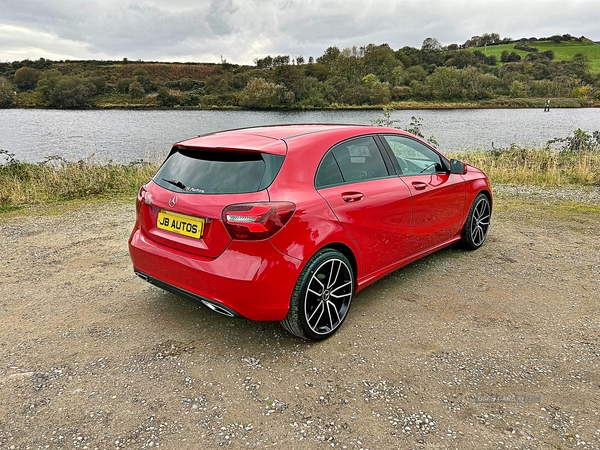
{"x":478,"y":223}
{"x":321,"y":297}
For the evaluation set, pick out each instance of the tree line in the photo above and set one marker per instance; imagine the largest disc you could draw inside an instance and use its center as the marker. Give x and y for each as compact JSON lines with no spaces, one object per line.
{"x":357,"y":76}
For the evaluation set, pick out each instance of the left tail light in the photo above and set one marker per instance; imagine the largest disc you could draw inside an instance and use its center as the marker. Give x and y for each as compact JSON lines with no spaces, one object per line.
{"x":141,"y":197}
{"x":255,"y":221}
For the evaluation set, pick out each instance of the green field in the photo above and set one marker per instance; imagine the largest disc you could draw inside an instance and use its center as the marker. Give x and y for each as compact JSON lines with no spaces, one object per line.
{"x":564,"y":51}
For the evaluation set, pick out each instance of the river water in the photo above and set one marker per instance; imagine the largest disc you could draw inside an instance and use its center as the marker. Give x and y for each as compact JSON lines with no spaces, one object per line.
{"x":123,"y":136}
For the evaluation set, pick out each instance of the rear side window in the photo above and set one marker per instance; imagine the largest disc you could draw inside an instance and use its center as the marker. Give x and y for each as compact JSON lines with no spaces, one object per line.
{"x":354,"y":160}
{"x":209,"y":172}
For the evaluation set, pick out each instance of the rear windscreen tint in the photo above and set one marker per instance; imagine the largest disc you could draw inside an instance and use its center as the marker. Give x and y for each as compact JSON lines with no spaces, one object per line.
{"x":209,"y":172}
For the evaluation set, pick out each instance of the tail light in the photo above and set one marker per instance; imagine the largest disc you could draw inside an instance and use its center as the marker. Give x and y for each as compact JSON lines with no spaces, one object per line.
{"x":140,"y":198}
{"x":143,"y":197}
{"x":255,"y":221}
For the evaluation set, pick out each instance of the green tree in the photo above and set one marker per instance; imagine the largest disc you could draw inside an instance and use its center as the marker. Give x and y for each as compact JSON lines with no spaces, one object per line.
{"x":330,"y":55}
{"x":341,"y":91}
{"x":136,"y":90}
{"x":461,"y":59}
{"x":431,"y":45}
{"x":314,"y":95}
{"x":264,"y":63}
{"x":66,"y":92}
{"x":445,"y":84}
{"x":7,"y":94}
{"x":292,"y":78}
{"x":477,"y":85}
{"x":262,"y":94}
{"x":581,"y":62}
{"x":123,"y":85}
{"x":517,"y":90}
{"x":166,"y":98}
{"x":381,"y":61}
{"x":349,"y":64}
{"x":26,"y":78}
{"x":379,"y":93}
{"x":431,"y":52}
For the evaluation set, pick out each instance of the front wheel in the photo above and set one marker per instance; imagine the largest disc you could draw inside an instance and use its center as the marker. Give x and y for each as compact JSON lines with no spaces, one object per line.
{"x":477,"y":224}
{"x":321,"y":297}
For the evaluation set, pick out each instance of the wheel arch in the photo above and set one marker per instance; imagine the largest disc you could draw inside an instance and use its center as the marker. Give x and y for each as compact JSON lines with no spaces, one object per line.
{"x":347,"y":252}
{"x":488,"y":194}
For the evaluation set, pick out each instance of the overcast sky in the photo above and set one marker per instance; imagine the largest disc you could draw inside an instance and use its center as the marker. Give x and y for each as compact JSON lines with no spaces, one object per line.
{"x":241,"y":30}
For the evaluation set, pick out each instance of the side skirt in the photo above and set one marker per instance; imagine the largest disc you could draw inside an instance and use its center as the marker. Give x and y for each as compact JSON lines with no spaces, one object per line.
{"x":365,"y":281}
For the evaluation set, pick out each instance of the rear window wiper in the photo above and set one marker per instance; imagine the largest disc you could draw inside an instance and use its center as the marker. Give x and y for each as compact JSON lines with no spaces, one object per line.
{"x":177,"y":183}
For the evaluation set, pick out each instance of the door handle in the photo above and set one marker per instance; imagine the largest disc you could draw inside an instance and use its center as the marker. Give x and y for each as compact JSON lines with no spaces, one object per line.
{"x":419,"y":186}
{"x":352,"y":196}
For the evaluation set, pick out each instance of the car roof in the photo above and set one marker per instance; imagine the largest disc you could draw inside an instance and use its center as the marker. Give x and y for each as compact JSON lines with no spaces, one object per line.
{"x":273,"y":138}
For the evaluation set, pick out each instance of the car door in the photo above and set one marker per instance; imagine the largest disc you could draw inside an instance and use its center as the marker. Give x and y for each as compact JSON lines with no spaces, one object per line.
{"x":369,"y":200}
{"x":438,"y":195}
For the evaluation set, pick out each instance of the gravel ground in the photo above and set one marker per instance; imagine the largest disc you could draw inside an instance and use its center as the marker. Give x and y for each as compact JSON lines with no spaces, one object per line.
{"x":497,"y":348}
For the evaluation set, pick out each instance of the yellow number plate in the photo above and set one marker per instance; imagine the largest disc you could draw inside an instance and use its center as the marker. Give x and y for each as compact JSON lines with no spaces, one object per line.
{"x":180,"y":224}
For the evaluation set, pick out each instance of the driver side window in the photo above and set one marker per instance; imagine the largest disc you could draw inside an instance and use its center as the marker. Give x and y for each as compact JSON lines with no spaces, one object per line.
{"x":413,"y":157}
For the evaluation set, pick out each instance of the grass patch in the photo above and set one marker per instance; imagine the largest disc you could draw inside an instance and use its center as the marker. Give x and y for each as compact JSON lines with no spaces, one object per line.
{"x":531,"y":166}
{"x":570,"y":161}
{"x":57,"y":180}
{"x":563,"y":51}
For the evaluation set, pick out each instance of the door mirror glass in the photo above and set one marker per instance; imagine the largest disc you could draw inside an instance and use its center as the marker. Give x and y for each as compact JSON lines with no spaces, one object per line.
{"x":458,"y":167}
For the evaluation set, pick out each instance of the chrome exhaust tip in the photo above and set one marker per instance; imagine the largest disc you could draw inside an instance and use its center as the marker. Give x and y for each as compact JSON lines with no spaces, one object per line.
{"x":143,"y":276}
{"x":217,"y":308}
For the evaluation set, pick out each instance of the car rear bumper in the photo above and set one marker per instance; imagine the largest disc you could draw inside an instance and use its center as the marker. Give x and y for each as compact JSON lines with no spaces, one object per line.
{"x":251,"y":279}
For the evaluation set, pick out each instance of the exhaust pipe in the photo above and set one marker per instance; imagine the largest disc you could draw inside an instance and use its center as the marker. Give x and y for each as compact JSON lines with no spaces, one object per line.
{"x":178,"y":291}
{"x":217,"y":308}
{"x":143,"y":276}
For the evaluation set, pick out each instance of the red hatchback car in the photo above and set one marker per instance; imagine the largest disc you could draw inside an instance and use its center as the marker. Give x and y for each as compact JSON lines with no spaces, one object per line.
{"x":287,"y":222}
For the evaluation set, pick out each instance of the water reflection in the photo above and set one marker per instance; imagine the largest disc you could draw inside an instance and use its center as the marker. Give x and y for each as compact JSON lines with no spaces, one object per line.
{"x":125,"y":136}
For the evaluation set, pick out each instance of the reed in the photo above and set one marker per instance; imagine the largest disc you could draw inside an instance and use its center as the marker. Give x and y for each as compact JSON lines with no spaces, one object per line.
{"x":23,"y":183}
{"x":534,"y":166}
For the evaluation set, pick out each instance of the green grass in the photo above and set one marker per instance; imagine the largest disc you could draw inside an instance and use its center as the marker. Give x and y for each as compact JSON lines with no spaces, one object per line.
{"x":562,"y":52}
{"x":44,"y":183}
{"x":540,"y":167}
{"x":37,"y":183}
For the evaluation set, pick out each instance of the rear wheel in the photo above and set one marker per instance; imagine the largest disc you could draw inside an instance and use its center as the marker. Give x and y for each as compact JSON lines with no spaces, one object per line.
{"x":321,"y":297}
{"x":477,"y":224}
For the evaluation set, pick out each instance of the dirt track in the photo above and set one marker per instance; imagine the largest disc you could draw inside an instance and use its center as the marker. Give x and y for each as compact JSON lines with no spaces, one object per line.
{"x":497,"y":348}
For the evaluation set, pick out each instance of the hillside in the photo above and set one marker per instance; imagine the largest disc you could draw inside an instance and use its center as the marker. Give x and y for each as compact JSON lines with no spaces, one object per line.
{"x":563,"y":51}
{"x":508,"y":74}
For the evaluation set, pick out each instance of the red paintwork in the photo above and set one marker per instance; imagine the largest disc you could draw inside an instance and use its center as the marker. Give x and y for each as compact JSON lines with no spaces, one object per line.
{"x":387,"y":223}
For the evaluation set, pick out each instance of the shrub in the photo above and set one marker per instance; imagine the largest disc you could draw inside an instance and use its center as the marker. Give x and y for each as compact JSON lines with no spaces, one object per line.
{"x":7,"y":94}
{"x":136,"y":90}
{"x":260,"y":93}
{"x":66,"y":92}
{"x":166,"y":98}
{"x":26,"y":78}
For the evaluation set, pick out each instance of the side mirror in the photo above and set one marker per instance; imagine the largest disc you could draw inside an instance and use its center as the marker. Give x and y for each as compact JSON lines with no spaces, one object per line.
{"x":458,"y":167}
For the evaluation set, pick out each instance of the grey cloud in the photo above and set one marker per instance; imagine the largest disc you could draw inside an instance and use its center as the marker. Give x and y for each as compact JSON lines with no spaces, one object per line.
{"x":242,"y":30}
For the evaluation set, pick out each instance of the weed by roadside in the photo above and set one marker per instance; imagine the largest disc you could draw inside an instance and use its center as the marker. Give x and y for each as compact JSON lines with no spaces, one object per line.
{"x":55,"y":179}
{"x":573,"y":160}
{"x":570,"y":161}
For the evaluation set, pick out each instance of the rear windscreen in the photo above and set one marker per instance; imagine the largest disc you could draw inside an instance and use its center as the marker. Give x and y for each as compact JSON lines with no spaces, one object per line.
{"x":209,"y":172}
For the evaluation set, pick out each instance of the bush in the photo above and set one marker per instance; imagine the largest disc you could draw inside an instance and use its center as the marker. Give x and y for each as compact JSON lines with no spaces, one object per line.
{"x":136,"y":90}
{"x":580,"y":142}
{"x":166,"y":98}
{"x":263,"y":94}
{"x":26,"y":78}
{"x":66,"y":92}
{"x":7,"y":95}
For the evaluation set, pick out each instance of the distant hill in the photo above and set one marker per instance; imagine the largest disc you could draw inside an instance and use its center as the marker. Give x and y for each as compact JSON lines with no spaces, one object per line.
{"x":563,"y":50}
